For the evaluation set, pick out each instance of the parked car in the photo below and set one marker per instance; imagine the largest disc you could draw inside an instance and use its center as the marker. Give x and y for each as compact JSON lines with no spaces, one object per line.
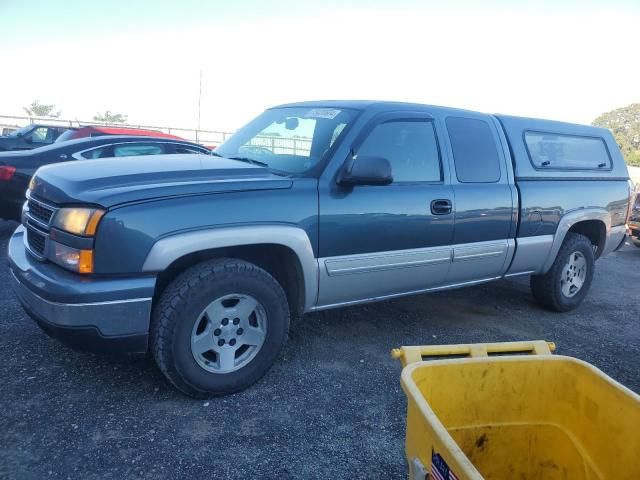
{"x":314,"y":206}
{"x":17,"y":168}
{"x":99,"y":131}
{"x":634,"y":222}
{"x":31,"y":136}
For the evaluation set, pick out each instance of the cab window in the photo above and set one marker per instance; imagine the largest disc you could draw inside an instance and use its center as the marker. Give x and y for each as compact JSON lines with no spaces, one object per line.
{"x":475,"y":155}
{"x":135,"y":149}
{"x":566,"y":152}
{"x":409,"y":145}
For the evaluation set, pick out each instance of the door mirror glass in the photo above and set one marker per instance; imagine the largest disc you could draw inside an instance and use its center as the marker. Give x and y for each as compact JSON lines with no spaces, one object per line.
{"x":366,"y":170}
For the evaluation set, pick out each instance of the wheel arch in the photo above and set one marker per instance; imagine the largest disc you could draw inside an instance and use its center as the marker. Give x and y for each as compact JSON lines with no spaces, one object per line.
{"x":283,"y":251}
{"x":594,"y":223}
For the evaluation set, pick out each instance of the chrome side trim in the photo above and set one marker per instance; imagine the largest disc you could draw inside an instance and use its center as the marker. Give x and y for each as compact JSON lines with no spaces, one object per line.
{"x":169,"y":249}
{"x":403,"y":294}
{"x":353,"y":277}
{"x":379,"y":261}
{"x":472,"y":251}
{"x":519,"y":274}
{"x":110,"y":318}
{"x":570,"y":219}
{"x":531,"y":254}
{"x":479,"y":260}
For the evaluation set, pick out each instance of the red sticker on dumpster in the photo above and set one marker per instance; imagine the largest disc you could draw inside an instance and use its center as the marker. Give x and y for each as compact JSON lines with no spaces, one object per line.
{"x":439,"y":468}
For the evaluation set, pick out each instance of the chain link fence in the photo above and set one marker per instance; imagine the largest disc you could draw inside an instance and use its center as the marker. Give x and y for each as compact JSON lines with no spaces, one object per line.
{"x":9,"y":123}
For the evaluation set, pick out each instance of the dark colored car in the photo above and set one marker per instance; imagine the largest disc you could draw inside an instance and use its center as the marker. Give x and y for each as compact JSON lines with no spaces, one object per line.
{"x":100,"y":131}
{"x":31,"y":136}
{"x":16,"y":168}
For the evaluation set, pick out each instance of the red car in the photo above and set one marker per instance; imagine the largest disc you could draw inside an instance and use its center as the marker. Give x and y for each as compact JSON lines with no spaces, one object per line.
{"x":99,"y":131}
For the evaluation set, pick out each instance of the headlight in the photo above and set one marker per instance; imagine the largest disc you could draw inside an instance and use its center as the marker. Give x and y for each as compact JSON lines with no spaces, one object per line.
{"x":79,"y":221}
{"x":80,"y":261}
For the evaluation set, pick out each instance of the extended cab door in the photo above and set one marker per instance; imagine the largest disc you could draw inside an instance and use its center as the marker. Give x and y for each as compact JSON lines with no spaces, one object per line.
{"x":486,"y":202}
{"x":377,"y":241}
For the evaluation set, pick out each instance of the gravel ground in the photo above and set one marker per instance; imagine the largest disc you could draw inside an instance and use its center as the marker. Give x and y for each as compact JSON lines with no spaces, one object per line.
{"x":331,"y":407}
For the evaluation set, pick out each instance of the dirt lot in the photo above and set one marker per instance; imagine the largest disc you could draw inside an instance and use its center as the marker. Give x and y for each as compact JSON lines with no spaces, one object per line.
{"x":331,"y":407}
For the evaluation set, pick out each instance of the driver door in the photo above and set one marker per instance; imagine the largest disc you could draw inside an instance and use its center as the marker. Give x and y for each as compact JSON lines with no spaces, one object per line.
{"x":386,"y":240}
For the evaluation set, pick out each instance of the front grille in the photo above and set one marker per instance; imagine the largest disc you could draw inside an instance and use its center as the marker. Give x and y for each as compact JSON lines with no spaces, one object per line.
{"x":40,"y":212}
{"x":37,"y":218}
{"x":36,"y":241}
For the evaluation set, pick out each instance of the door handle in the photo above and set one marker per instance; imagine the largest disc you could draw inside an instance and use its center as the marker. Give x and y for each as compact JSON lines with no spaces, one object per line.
{"x":441,"y":207}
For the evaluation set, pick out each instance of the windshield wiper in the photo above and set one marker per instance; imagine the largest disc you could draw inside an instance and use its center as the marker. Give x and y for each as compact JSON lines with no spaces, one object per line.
{"x":250,"y":160}
{"x":216,"y":154}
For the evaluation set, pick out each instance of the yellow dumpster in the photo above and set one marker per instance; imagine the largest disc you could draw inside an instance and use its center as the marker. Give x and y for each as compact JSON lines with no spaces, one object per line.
{"x":483,"y":411}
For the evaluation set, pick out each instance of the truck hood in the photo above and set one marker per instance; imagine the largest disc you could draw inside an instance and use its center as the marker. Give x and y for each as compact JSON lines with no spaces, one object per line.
{"x":111,"y":182}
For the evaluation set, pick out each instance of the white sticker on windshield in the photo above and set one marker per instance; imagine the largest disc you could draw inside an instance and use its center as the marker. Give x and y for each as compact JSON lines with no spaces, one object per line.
{"x":329,"y":113}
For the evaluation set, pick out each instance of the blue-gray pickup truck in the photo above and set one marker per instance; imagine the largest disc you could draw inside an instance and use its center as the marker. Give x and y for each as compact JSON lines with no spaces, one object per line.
{"x":201,"y":260}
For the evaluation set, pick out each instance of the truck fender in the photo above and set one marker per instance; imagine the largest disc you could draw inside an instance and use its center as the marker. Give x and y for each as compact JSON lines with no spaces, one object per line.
{"x":568,"y":221}
{"x":169,"y":249}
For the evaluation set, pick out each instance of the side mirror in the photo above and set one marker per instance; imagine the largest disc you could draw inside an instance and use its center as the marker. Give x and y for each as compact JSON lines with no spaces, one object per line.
{"x":367,"y":170}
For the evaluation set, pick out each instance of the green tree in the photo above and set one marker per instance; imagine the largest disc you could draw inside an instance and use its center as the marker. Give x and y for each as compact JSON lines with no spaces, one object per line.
{"x":624,"y":123}
{"x":37,"y":109}
{"x":108,"y":117}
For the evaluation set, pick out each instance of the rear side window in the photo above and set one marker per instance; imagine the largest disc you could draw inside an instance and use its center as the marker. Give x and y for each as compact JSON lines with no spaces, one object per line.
{"x":567,"y":152}
{"x":103,"y":152}
{"x":133,"y":149}
{"x":474,"y":150}
{"x":410,"y":146}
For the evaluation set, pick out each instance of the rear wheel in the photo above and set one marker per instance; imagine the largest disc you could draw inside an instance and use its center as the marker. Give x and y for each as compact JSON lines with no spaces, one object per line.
{"x":218,"y":327}
{"x":566,"y":284}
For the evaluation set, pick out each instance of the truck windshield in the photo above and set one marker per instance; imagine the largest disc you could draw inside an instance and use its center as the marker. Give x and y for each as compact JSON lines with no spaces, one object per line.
{"x":289,"y":139}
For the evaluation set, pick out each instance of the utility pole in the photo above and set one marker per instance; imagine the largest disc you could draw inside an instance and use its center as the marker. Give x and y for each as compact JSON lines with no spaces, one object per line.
{"x":199,"y":102}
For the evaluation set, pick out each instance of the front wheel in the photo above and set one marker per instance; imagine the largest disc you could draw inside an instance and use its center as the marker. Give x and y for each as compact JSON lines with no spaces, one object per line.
{"x":218,"y":327}
{"x":566,"y":284}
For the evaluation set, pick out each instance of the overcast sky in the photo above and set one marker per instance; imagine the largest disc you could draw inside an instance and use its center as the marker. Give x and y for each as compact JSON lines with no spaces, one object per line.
{"x":566,"y":60}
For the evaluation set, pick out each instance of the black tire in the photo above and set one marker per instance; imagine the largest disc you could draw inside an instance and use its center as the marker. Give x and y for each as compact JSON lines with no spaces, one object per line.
{"x":181,"y":305}
{"x":636,"y":241}
{"x":547,"y":288}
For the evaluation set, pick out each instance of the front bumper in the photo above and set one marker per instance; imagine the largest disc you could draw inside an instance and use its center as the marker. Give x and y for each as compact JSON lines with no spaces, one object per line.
{"x":86,"y":313}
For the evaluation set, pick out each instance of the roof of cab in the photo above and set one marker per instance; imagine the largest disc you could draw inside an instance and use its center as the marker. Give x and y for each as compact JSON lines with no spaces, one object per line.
{"x":514,"y":128}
